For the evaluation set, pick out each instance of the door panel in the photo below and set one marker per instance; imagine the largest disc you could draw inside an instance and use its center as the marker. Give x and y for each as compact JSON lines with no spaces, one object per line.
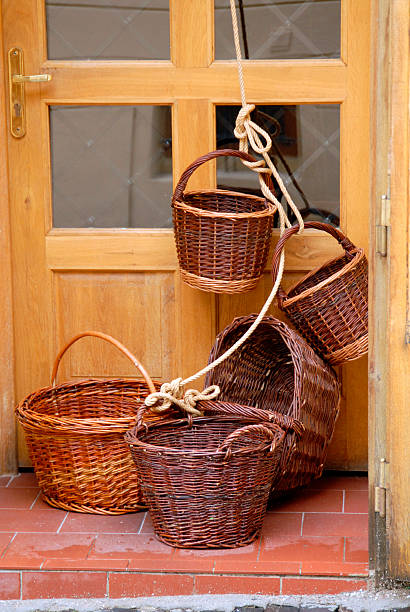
{"x":124,"y":280}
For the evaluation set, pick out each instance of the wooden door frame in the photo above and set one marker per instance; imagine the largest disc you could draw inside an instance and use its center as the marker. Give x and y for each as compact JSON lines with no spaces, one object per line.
{"x":388,"y":351}
{"x":389,"y":296}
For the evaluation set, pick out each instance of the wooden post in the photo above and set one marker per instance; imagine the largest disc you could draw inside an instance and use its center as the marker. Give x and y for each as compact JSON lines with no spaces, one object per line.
{"x":389,"y":357}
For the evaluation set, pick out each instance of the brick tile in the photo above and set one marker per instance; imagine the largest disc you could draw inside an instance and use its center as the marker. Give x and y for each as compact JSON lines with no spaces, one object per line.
{"x":40,"y":504}
{"x":248,"y":585}
{"x":9,"y":585}
{"x":243,"y":553}
{"x":147,"y":526}
{"x":147,"y":585}
{"x":49,"y":585}
{"x":315,"y":524}
{"x":284,"y":523}
{"x":128,"y":546}
{"x":310,"y":500}
{"x":29,"y":521}
{"x":356,"y":550}
{"x":350,"y":483}
{"x":4,"y":480}
{"x":95,"y":523}
{"x":307,"y":586}
{"x":261,"y":567}
{"x":26,"y":479}
{"x":294,"y":548}
{"x":17,"y":562}
{"x":5,"y":539}
{"x":17,"y":498}
{"x":319,"y":568}
{"x":50,"y":546}
{"x":173,"y":564}
{"x":356,"y":501}
{"x":84,"y":564}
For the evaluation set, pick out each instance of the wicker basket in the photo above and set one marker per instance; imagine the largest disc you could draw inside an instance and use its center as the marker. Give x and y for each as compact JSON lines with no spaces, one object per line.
{"x":329,"y":305}
{"x":275,"y":369}
{"x":75,"y":436}
{"x":222,"y":237}
{"x":207,"y":480}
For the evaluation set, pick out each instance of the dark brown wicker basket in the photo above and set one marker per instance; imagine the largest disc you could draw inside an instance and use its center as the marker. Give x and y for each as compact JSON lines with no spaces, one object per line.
{"x":207,"y":480}
{"x":222,"y":237}
{"x":75,"y":436}
{"x":275,"y":369}
{"x":329,"y":305}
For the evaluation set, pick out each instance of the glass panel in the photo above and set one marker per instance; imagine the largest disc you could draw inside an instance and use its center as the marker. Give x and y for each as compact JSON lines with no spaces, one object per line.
{"x":280,"y":29}
{"x":306,"y":151}
{"x":107,"y":29}
{"x":111,"y":166}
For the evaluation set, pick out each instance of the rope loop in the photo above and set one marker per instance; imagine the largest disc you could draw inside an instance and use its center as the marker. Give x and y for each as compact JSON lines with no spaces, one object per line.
{"x":172,"y":394}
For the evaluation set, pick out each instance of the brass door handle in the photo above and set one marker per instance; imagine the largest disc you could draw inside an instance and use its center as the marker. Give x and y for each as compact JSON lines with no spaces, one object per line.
{"x":17,"y":81}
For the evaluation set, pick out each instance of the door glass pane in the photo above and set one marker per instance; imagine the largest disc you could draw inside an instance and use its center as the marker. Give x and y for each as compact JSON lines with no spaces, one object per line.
{"x":306,"y":152}
{"x":280,"y":29}
{"x":111,"y":166}
{"x":107,"y":29}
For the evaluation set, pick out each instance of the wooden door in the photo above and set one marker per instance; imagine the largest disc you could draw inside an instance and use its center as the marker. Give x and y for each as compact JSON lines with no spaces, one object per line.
{"x":124,"y":280}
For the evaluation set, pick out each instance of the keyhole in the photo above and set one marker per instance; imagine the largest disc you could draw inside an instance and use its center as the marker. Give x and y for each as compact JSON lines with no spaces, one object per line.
{"x":17,"y":109}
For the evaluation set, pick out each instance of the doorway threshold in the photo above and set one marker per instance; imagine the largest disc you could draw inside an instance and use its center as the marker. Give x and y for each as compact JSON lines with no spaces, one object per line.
{"x":314,"y":541}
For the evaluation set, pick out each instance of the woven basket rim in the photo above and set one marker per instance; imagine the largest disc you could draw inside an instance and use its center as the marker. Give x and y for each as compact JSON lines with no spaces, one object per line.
{"x":359,"y":255}
{"x":267,"y":211}
{"x":132,"y":439}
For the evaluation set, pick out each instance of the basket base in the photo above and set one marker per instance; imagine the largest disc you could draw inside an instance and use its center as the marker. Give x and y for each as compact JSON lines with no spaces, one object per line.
{"x":218,"y":286}
{"x":209,"y":544}
{"x":56,"y":503}
{"x":350,"y":352}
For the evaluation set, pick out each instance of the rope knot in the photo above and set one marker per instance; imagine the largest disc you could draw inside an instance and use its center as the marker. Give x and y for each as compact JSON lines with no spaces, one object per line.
{"x":172,"y":394}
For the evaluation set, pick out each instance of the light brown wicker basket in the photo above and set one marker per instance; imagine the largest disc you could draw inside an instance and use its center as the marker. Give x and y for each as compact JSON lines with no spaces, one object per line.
{"x":222,"y":237}
{"x":75,"y":437}
{"x":275,"y":369}
{"x":329,"y":306}
{"x":207,"y":479}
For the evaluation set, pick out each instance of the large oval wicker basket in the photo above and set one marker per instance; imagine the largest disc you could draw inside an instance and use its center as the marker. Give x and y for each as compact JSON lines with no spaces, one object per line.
{"x":222,"y":237}
{"x":329,"y":306}
{"x":75,"y":437}
{"x":275,"y":369}
{"x":207,"y":480}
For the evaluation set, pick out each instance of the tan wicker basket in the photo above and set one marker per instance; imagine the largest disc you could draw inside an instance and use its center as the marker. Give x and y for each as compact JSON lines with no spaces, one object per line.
{"x":275,"y":369}
{"x":329,"y":306}
{"x":75,"y":436}
{"x":207,"y":479}
{"x":222,"y":237}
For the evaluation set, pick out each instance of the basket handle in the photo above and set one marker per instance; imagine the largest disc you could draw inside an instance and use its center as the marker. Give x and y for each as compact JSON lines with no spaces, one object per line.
{"x":182,"y":183}
{"x":348,"y":246}
{"x":266,"y":416}
{"x":111,"y":340}
{"x":258,"y":430}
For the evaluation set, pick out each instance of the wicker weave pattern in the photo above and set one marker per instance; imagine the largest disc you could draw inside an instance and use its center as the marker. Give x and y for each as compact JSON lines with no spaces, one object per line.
{"x":329,"y":305}
{"x":207,"y":480}
{"x":75,"y":437}
{"x":277,"y":370}
{"x":222,"y":237}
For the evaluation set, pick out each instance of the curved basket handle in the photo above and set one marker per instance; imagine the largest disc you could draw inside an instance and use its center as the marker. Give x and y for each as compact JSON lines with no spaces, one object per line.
{"x":111,"y":340}
{"x":269,"y":432}
{"x":348,"y":246}
{"x":182,"y":183}
{"x":265,"y":416}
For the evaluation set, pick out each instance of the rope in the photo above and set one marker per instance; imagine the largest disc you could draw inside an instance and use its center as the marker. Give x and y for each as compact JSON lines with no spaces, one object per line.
{"x":247,"y":132}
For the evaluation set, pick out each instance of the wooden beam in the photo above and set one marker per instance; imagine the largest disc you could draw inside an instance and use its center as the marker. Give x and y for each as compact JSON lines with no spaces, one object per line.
{"x":8,"y":457}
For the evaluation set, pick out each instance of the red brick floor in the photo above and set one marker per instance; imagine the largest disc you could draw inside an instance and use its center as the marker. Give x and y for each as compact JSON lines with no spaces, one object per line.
{"x":312,"y":542}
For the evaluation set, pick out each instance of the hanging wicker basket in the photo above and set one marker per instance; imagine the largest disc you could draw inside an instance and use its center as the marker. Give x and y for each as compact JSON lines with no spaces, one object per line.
{"x":75,"y":437}
{"x":275,"y":369}
{"x":329,"y":306}
{"x":206,"y":480}
{"x":222,"y":237}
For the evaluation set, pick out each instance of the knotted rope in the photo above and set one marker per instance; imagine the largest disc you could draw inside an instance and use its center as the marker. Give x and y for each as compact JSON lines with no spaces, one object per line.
{"x":248,"y":133}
